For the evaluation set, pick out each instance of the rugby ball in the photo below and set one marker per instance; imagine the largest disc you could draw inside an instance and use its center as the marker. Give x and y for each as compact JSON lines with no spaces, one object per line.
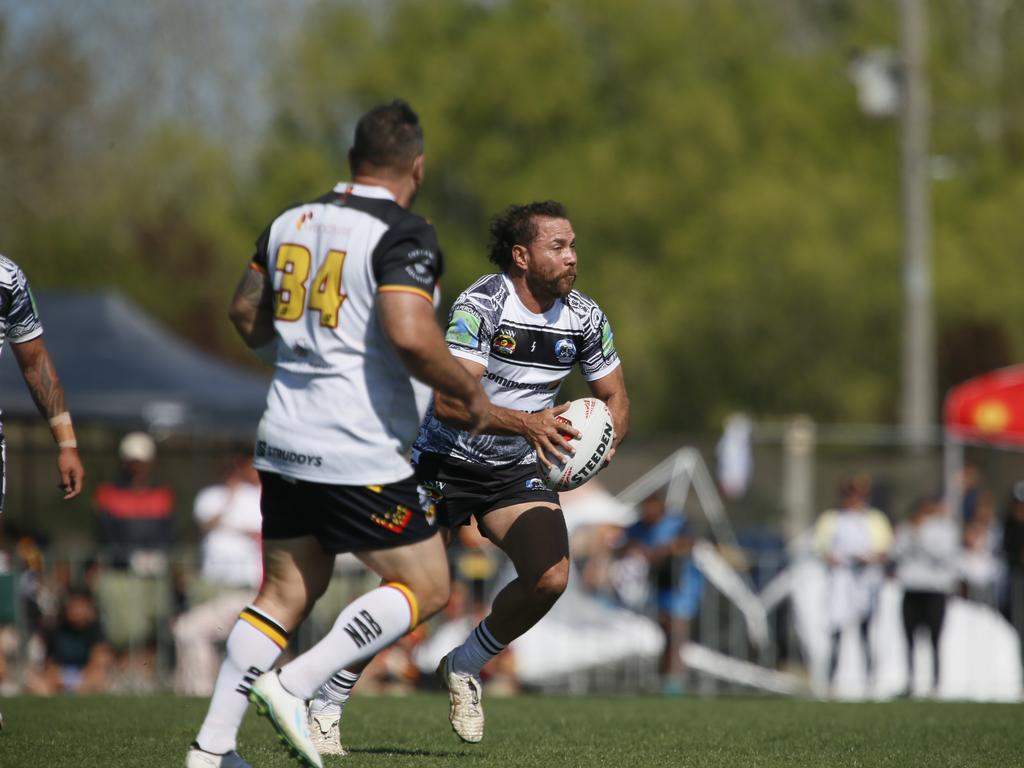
{"x":593,"y":420}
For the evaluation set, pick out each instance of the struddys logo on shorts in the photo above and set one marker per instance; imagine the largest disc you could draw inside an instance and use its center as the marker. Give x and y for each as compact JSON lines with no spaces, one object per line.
{"x":535,"y":484}
{"x":266,"y":451}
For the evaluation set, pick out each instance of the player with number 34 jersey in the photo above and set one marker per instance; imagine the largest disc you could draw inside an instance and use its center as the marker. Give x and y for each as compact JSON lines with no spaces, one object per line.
{"x":342,"y":406}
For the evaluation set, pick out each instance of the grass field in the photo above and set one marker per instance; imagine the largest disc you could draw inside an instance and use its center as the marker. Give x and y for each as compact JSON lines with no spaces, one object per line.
{"x":540,"y":732}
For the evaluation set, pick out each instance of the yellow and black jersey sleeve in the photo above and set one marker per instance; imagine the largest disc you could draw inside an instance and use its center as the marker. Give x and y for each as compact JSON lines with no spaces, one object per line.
{"x":408,"y":258}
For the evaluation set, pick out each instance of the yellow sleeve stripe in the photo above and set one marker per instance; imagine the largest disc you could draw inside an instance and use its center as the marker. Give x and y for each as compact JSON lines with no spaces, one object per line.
{"x":414,"y":607}
{"x":406,"y":289}
{"x":268,"y":629}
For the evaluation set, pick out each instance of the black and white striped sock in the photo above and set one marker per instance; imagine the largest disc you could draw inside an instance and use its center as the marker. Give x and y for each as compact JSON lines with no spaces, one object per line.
{"x":333,"y":694}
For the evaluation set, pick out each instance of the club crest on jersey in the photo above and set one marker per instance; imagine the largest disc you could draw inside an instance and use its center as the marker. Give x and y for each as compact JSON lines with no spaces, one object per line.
{"x":565,"y":350}
{"x":505,"y":341}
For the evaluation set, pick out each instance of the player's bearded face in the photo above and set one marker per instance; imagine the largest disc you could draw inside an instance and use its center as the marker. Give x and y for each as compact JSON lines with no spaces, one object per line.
{"x":552,"y":265}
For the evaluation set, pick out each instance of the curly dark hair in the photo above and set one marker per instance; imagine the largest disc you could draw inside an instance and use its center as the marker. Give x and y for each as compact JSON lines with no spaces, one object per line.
{"x":388,"y":136}
{"x":517,"y":225}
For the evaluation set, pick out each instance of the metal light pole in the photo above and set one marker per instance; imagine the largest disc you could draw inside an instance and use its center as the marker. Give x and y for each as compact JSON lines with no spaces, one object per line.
{"x":918,"y":382}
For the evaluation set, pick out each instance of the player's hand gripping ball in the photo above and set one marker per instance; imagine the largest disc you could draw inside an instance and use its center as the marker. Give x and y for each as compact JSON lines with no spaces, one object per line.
{"x":593,"y":420}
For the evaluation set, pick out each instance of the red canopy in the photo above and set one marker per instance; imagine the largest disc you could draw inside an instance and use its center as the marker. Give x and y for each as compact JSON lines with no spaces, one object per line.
{"x":989,"y":407}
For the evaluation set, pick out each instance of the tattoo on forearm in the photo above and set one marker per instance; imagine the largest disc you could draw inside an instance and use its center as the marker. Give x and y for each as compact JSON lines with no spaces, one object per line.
{"x":252,"y":308}
{"x":253,"y":290}
{"x":45,"y":387}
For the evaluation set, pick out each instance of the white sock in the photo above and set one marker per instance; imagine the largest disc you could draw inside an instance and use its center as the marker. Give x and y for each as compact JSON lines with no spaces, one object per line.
{"x":333,"y":695}
{"x":477,"y":649}
{"x":367,"y":625}
{"x":253,"y":646}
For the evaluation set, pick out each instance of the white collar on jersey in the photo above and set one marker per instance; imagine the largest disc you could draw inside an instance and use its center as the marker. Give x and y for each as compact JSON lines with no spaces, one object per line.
{"x":363,"y":190}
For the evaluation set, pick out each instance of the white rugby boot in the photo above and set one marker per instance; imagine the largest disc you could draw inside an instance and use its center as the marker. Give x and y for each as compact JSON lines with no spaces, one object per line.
{"x":287,"y":713}
{"x":464,"y":694}
{"x":325,"y":728}
{"x":197,"y":758}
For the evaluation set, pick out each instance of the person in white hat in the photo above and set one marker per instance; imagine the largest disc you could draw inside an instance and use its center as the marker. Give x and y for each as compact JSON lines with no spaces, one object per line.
{"x":136,"y":525}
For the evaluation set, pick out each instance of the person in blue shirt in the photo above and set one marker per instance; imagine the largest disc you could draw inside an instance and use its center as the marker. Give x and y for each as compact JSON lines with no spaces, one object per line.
{"x":662,"y":538}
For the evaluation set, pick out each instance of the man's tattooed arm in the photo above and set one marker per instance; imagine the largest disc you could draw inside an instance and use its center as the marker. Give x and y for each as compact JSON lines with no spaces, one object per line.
{"x":252,"y":308}
{"x":40,"y":376}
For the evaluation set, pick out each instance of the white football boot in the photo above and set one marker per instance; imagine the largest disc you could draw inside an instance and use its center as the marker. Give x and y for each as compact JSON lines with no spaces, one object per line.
{"x":197,"y":758}
{"x":464,"y":693}
{"x":325,"y":728}
{"x":287,"y":713}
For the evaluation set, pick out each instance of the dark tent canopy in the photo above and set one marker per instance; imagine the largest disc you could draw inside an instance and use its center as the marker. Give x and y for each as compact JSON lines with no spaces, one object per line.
{"x":119,"y":366}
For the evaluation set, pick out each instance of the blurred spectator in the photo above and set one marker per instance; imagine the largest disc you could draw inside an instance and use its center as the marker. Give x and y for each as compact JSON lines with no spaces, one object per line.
{"x":36,"y":602}
{"x":78,"y":657}
{"x":134,"y":513}
{"x":230,"y":570}
{"x":981,"y":569}
{"x":925,"y":551}
{"x":393,"y":671}
{"x":853,"y":540}
{"x":135,"y":517}
{"x":970,"y":490}
{"x":594,"y":548}
{"x":1013,"y":549}
{"x":8,"y":613}
{"x":475,"y":562}
{"x":735,"y":458}
{"x":661,"y":540}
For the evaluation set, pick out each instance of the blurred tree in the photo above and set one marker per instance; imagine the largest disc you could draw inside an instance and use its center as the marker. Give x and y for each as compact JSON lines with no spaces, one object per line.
{"x":90,"y":203}
{"x":737,"y":215}
{"x":970,"y":348}
{"x":46,"y":87}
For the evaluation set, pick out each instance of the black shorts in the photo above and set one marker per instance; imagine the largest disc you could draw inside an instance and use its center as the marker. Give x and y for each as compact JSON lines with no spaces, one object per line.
{"x":463,"y":490}
{"x":923,"y":609}
{"x":346,"y":518}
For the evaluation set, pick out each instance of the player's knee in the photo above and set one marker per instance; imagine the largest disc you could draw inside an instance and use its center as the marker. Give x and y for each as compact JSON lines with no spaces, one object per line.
{"x":286,"y":601}
{"x":432,"y":598}
{"x":552,"y":583}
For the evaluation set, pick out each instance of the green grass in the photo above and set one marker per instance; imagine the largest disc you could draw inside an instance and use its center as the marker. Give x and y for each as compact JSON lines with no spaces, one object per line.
{"x":539,"y":732}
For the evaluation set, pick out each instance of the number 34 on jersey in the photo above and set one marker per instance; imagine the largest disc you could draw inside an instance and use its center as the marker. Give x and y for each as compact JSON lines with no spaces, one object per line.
{"x":295,"y":293}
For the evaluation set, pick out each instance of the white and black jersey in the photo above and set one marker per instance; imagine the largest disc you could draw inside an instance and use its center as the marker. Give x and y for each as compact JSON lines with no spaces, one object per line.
{"x":527,"y":357}
{"x":19,"y":318}
{"x":19,"y":322}
{"x":342,"y":408}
